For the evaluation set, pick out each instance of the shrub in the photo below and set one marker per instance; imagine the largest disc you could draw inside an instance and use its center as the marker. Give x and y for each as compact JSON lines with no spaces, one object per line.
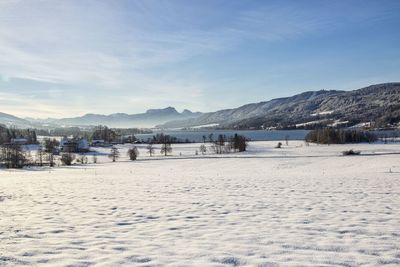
{"x":83,"y":159}
{"x":133,"y":153}
{"x":203,"y":149}
{"x":238,"y":143}
{"x":351,"y":152}
{"x":67,"y":158}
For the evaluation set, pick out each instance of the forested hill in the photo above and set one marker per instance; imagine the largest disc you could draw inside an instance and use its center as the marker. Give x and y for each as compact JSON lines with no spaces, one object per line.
{"x":378,"y":103}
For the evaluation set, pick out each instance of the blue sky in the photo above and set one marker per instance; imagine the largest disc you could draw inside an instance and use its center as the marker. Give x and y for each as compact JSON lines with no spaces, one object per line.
{"x":68,"y":58}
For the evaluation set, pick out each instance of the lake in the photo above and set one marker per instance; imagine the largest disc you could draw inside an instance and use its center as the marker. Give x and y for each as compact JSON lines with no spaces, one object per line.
{"x":254,"y":135}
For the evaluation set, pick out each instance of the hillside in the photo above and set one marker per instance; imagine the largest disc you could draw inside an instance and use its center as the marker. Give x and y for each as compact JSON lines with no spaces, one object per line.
{"x":10,"y":120}
{"x":378,"y":103}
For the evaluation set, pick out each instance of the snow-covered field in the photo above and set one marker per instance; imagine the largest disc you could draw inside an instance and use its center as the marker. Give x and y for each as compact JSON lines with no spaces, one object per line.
{"x":295,"y":206}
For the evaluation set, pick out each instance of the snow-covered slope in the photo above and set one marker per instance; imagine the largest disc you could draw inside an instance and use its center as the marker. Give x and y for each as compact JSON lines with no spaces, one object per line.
{"x":295,"y":206}
{"x":374,"y":103}
{"x":9,"y":120}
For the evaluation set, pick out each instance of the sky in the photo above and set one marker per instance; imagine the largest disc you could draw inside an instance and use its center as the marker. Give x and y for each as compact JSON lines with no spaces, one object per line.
{"x":67,"y":58}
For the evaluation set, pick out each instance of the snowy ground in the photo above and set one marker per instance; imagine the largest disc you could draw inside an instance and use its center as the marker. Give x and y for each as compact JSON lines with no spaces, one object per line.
{"x":295,"y":206}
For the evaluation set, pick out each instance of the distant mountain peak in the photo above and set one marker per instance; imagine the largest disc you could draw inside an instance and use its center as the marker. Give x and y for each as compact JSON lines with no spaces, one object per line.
{"x":167,"y":110}
{"x":188,"y":112}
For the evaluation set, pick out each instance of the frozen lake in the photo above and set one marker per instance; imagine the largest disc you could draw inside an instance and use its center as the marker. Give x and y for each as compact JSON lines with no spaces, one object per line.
{"x":295,"y":206}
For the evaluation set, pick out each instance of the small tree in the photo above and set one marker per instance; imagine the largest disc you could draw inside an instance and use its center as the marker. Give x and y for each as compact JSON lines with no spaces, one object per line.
{"x":13,"y":156}
{"x":39,"y":156}
{"x":219,"y":144}
{"x":133,"y":153}
{"x":49,"y":147}
{"x":203,"y":149}
{"x":114,"y":154}
{"x":166,"y":145}
{"x":67,"y":158}
{"x":83,"y":159}
{"x":165,"y":149}
{"x":238,"y":143}
{"x":150,"y":149}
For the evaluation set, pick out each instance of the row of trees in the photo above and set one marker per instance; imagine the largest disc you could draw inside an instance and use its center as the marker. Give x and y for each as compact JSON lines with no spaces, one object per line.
{"x":222,"y":144}
{"x":6,"y":134}
{"x":339,"y":136}
{"x":14,"y":156}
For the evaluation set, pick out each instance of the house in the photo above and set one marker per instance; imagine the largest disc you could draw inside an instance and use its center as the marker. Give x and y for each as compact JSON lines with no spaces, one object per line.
{"x":74,"y":145}
{"x":98,"y":142}
{"x":19,"y":141}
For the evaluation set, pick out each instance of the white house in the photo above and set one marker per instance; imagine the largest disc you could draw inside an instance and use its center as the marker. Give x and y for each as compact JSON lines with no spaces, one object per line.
{"x":74,"y":145}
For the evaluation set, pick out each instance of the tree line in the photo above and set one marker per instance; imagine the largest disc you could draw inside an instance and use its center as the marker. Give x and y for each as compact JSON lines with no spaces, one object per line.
{"x":7,"y":134}
{"x":339,"y":136}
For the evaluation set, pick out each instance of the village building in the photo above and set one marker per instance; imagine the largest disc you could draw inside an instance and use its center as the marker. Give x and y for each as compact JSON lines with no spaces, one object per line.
{"x":73,"y":145}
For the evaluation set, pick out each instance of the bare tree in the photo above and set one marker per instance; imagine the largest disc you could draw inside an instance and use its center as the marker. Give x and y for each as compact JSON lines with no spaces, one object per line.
{"x":219,"y":144}
{"x":39,"y":156}
{"x":50,"y":146}
{"x":150,"y":149}
{"x":166,"y":145}
{"x":114,"y":154}
{"x":166,"y":148}
{"x":13,"y":156}
{"x":203,"y":149}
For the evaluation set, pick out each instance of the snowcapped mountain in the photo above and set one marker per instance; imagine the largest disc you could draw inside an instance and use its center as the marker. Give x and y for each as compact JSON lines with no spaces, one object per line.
{"x":379,"y":103}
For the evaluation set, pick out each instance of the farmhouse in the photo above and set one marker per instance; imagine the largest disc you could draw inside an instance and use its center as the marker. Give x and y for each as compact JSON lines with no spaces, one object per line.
{"x":74,"y":145}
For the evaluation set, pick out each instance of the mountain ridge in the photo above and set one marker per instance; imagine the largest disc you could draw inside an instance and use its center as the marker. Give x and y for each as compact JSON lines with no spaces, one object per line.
{"x":149,"y":118}
{"x":379,"y":103}
{"x":367,"y":103}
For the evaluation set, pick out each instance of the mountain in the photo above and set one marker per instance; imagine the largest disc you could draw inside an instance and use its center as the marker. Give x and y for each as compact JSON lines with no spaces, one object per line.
{"x":10,"y":120}
{"x":150,"y":118}
{"x":379,"y":103}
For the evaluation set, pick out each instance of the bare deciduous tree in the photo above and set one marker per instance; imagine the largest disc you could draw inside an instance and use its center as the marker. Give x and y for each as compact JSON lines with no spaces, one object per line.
{"x":203,"y":149}
{"x":114,"y":154}
{"x":150,"y":149}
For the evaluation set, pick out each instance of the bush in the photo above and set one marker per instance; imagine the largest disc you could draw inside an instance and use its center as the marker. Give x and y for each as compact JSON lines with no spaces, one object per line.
{"x":82,"y":159}
{"x":133,"y":153}
{"x":67,"y":158}
{"x":351,"y":152}
{"x":238,"y":143}
{"x":279,"y":145}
